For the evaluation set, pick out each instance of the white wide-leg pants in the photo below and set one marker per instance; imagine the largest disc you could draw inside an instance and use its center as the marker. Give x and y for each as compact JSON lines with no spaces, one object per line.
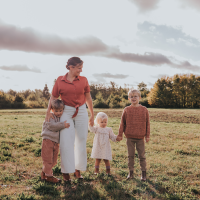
{"x":73,"y":140}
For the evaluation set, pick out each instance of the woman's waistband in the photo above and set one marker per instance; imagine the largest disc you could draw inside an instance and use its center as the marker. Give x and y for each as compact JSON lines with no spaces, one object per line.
{"x":75,"y":107}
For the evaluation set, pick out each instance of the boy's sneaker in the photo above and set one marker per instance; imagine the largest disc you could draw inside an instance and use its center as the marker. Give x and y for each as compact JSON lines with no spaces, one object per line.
{"x":130,"y":175}
{"x":43,"y":176}
{"x":52,"y":179}
{"x":143,"y":177}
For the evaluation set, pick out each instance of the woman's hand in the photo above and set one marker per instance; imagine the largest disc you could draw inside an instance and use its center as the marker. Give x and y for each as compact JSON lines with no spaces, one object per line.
{"x":48,"y":116}
{"x":91,"y":121}
{"x":90,"y":107}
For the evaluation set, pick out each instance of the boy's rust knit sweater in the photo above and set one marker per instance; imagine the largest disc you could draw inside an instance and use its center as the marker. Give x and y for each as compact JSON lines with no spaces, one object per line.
{"x":135,"y":122}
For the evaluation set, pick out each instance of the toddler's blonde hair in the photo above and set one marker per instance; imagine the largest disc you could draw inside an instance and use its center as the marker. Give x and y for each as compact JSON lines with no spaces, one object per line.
{"x":100,"y":115}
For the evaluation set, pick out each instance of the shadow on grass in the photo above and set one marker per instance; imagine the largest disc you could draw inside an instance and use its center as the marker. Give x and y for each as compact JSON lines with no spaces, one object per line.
{"x":47,"y":190}
{"x":143,"y":187}
{"x":80,"y":190}
{"x":114,"y":188}
{"x":177,"y":194}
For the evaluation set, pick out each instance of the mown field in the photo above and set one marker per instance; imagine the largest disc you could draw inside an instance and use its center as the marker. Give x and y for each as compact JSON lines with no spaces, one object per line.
{"x":173,"y":160}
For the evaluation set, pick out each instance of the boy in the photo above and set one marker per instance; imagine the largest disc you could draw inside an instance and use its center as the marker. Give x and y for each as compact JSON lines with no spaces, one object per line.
{"x":135,"y":125}
{"x":50,"y":142}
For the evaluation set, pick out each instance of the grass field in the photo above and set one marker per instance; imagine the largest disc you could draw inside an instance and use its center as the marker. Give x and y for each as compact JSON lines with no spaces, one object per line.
{"x":173,"y":160}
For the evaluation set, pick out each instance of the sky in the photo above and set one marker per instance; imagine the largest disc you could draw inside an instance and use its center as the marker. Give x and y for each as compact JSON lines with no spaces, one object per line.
{"x":124,"y":41}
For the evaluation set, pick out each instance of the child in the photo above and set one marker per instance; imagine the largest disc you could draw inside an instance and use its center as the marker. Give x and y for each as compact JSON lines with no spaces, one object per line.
{"x":50,"y":142}
{"x":135,"y":125}
{"x":101,"y":145}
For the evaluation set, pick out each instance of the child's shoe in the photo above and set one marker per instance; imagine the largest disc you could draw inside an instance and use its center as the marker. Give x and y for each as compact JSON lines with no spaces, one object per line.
{"x":130,"y":175}
{"x":96,"y":171}
{"x":52,"y":179}
{"x":143,"y":177}
{"x":43,"y":176}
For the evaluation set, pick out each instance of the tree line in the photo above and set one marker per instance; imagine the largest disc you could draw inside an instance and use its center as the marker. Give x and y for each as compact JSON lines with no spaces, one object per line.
{"x":179,"y":91}
{"x":25,"y":99}
{"x":113,"y":96}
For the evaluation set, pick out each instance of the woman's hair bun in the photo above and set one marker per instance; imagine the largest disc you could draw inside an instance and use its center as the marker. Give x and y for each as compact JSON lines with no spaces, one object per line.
{"x":74,"y":61}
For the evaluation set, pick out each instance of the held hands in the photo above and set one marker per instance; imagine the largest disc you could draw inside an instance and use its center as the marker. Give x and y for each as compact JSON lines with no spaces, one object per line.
{"x":67,"y":125}
{"x":119,"y":138}
{"x":91,"y":121}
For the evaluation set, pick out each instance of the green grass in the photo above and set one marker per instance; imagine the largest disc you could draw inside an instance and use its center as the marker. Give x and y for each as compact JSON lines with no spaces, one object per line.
{"x":173,"y":164}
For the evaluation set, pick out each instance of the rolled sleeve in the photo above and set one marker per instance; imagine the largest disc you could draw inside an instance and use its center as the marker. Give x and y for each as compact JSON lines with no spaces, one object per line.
{"x":87,"y":87}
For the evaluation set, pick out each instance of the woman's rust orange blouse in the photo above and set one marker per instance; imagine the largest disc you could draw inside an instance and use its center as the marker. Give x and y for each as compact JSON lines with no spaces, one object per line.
{"x":72,"y":93}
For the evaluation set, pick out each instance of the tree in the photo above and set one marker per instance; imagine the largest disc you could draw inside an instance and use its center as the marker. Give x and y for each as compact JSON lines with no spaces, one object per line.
{"x":18,"y":99}
{"x":32,"y":97}
{"x":45,"y":92}
{"x":12,"y":92}
{"x":142,"y":87}
{"x":26,"y":93}
{"x":114,"y":101}
{"x":4,"y":101}
{"x":99,"y":102}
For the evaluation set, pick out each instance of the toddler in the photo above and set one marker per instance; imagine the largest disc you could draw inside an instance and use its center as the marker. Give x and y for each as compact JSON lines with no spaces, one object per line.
{"x":50,"y":143}
{"x":101,"y":145}
{"x":136,"y":126}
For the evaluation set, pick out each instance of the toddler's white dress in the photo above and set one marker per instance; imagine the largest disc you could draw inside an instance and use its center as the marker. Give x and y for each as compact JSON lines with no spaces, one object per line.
{"x":101,"y":145}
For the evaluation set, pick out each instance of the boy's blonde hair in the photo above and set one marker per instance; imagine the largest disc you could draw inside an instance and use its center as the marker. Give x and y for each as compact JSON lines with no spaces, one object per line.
{"x":57,"y":104}
{"x":100,"y":115}
{"x":134,"y":91}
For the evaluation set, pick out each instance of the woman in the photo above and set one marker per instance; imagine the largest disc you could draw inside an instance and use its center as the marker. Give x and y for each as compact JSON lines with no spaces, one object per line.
{"x":74,"y":90}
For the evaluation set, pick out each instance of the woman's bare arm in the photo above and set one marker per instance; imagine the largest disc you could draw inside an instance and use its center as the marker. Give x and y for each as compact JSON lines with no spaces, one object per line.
{"x":48,"y":114}
{"x":90,"y":107}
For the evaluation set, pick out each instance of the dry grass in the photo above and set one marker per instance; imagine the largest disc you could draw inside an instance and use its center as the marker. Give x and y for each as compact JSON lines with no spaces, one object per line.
{"x":172,"y":160}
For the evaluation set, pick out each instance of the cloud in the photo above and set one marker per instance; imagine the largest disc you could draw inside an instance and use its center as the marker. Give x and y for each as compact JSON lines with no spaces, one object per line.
{"x":154,"y":59}
{"x":145,"y":5}
{"x":186,"y":65}
{"x":28,"y":40}
{"x":159,"y":76}
{"x":193,"y":3}
{"x":148,"y":5}
{"x":20,"y":68}
{"x":108,"y":75}
{"x":6,"y":77}
{"x":149,"y":58}
{"x":168,"y":38}
{"x":101,"y":77}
